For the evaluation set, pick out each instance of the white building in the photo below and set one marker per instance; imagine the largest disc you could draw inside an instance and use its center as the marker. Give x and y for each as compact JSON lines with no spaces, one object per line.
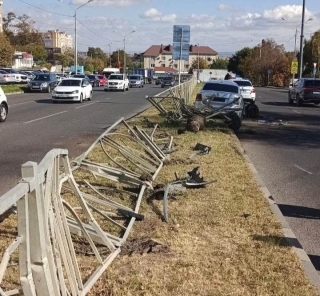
{"x":55,"y":38}
{"x":22,"y":60}
{"x":160,"y":56}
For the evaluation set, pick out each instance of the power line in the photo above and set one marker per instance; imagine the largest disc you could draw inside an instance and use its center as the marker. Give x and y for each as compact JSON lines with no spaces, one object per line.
{"x":45,"y":9}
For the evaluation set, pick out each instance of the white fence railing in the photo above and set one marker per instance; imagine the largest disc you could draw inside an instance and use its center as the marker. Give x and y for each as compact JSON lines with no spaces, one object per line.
{"x":73,"y":218}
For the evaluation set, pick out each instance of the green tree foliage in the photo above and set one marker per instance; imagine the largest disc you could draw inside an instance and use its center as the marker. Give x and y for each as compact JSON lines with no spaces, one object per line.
{"x":6,"y":51}
{"x":219,"y":63}
{"x":23,"y":36}
{"x":235,"y":60}
{"x":311,"y":54}
{"x":97,"y":53}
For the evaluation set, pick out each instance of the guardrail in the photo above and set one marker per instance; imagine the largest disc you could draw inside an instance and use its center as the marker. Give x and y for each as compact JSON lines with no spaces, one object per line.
{"x":72,"y":218}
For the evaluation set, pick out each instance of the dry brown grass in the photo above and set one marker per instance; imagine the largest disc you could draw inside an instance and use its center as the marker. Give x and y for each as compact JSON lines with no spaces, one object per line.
{"x":223,"y":239}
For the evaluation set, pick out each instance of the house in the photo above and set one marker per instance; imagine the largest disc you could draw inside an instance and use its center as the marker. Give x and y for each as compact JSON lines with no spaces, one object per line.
{"x":161,"y":56}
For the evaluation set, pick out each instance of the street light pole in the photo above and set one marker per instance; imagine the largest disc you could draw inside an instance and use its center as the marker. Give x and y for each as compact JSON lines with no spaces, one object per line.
{"x":301,"y":40}
{"x":110,"y":53}
{"x":124,"y":50}
{"x":180,"y":55}
{"x":198,"y":73}
{"x":75,"y":36}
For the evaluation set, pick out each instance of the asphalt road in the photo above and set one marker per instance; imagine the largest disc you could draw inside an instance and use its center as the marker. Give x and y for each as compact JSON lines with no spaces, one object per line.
{"x":35,"y":125}
{"x":284,"y":147}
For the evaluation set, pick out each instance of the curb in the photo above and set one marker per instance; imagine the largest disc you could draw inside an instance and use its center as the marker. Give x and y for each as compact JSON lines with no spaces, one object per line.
{"x":14,"y":93}
{"x":310,"y":271}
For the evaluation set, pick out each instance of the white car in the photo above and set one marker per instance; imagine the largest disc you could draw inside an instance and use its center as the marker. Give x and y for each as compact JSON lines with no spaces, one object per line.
{"x":3,"y":106}
{"x":72,"y":89}
{"x":117,"y":82}
{"x":247,"y":90}
{"x":18,"y":77}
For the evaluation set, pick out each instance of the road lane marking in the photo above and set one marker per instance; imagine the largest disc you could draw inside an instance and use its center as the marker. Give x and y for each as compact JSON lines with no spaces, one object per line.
{"x":87,"y":105}
{"x":300,"y":168}
{"x":45,"y":117}
{"x":296,"y":111}
{"x":21,"y":104}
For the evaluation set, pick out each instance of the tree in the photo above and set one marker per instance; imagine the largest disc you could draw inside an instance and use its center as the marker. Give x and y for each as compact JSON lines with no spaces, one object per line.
{"x":6,"y":51}
{"x":268,"y":63}
{"x":219,"y":63}
{"x":25,"y":37}
{"x":97,"y":53}
{"x":235,"y":60}
{"x":202,"y":64}
{"x":311,"y":54}
{"x":66,"y":58}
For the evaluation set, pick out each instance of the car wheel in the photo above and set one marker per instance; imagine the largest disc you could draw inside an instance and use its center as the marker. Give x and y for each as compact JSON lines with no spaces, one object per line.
{"x":252,"y":111}
{"x":235,"y":123}
{"x":49,"y":89}
{"x":290,"y":101}
{"x":298,"y":102}
{"x":124,"y":88}
{"x":81,"y":98}
{"x":128,"y":87}
{"x":90,"y":97}
{"x":3,"y":113}
{"x":106,"y":89}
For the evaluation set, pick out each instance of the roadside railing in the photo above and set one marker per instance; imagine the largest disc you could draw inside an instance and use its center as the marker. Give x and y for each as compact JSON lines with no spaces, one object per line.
{"x":72,"y":218}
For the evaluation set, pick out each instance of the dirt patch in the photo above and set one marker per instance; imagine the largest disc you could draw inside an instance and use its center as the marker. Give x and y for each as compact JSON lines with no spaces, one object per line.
{"x":142,"y":246}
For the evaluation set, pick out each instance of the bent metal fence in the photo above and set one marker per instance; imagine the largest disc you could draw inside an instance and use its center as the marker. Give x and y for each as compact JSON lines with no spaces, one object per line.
{"x":72,"y":218}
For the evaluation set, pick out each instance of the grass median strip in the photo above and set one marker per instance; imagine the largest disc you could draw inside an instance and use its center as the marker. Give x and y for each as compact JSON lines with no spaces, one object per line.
{"x":13,"y":88}
{"x":220,"y":240}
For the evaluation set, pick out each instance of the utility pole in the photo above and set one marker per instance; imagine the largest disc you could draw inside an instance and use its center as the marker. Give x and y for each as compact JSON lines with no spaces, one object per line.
{"x":180,"y":55}
{"x":301,"y":40}
{"x":198,"y":73}
{"x":1,"y":16}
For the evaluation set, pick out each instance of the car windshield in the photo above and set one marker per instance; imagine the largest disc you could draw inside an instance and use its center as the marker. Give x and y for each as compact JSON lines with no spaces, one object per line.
{"x":134,"y":77}
{"x":115,"y":77}
{"x":100,"y":76}
{"x":311,"y":83}
{"x":41,"y":77}
{"x":221,"y":87}
{"x":70,"y":82}
{"x":243,"y":82}
{"x":167,"y":78}
{"x":91,"y":76}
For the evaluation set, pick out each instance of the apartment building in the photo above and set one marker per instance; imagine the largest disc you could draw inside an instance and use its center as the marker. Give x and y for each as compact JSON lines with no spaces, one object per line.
{"x":56,"y":38}
{"x":161,"y":56}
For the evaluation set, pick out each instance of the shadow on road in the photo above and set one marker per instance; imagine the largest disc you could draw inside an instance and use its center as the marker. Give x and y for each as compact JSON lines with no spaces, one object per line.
{"x":288,"y":105}
{"x":299,"y":212}
{"x":315,"y":260}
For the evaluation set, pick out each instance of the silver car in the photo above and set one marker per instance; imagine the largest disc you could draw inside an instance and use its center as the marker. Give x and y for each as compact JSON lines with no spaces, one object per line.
{"x":223,"y":96}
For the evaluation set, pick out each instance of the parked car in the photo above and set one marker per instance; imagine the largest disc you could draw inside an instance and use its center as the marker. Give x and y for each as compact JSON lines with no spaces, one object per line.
{"x":136,"y":81}
{"x":3,"y":106}
{"x":43,"y":82}
{"x":247,"y":90}
{"x":117,"y":82}
{"x":167,"y":81}
{"x":72,"y":89}
{"x":17,"y":76}
{"x":218,"y":93}
{"x":6,"y":77}
{"x":305,"y":90}
{"x":94,"y":79}
{"x":102,"y":79}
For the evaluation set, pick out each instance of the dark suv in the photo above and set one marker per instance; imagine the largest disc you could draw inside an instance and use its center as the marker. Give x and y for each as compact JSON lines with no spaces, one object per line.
{"x":43,"y":82}
{"x":167,"y":81}
{"x":305,"y":90}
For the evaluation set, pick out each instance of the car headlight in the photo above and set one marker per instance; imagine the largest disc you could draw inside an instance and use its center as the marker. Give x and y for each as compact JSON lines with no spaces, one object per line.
{"x":75,"y":92}
{"x":44,"y":84}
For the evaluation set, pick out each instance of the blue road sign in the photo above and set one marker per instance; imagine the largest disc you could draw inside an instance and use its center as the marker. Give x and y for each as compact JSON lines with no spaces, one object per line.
{"x":181,"y":42}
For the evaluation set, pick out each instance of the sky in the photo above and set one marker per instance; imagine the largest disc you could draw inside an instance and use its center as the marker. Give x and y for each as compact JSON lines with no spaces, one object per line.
{"x":225,"y":26}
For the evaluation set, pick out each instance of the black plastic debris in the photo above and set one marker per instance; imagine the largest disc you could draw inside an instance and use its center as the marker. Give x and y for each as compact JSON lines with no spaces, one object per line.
{"x":149,"y":123}
{"x":202,"y":148}
{"x":194,"y":180}
{"x":181,"y":131}
{"x":130,"y":214}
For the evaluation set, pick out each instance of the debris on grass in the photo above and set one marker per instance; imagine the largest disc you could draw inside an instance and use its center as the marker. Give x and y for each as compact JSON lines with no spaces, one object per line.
{"x":142,"y":246}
